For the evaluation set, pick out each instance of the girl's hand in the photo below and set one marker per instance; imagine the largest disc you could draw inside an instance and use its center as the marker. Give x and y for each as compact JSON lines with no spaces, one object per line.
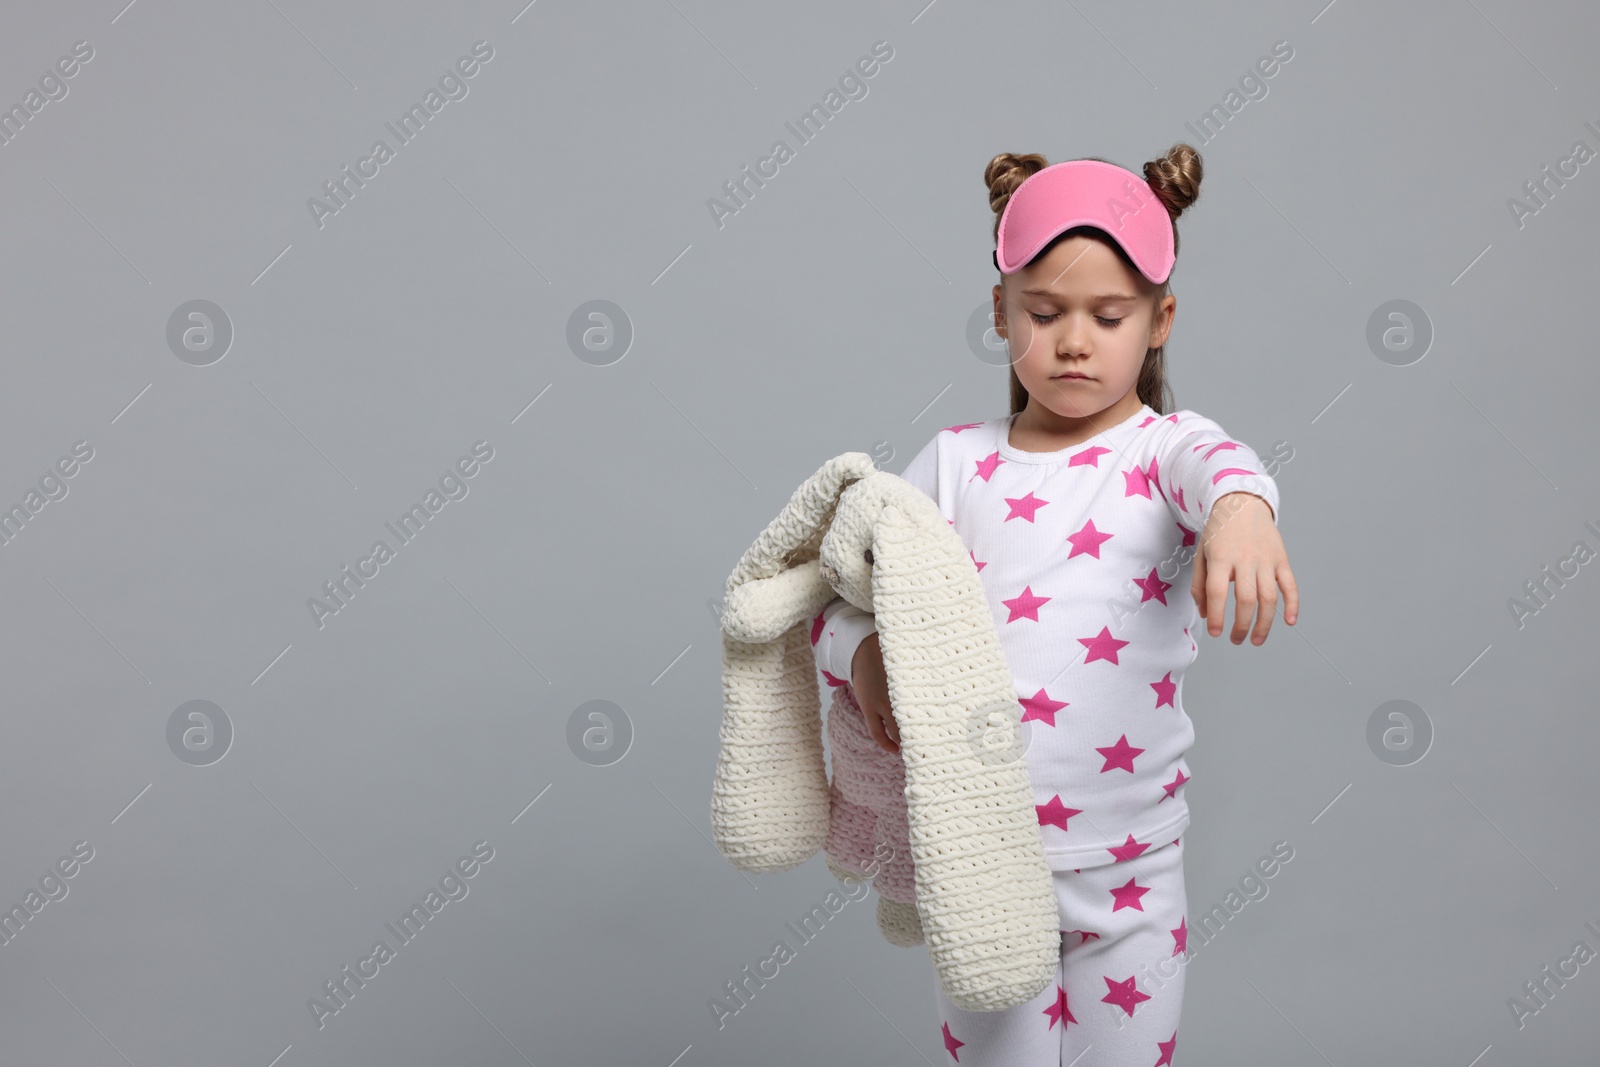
{"x":870,"y":683}
{"x":1241,"y":544}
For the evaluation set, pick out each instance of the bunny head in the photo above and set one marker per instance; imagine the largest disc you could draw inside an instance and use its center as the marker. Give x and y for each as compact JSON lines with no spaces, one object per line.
{"x":846,"y":556}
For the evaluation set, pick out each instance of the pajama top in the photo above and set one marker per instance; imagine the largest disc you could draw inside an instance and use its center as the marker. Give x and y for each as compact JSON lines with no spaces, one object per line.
{"x":1086,"y":557}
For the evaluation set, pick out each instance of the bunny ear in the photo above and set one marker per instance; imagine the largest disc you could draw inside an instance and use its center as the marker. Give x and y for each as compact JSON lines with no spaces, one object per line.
{"x":770,"y":797}
{"x":984,"y":892}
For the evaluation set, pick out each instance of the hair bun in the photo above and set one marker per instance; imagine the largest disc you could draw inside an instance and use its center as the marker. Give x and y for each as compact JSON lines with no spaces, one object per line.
{"x":1175,"y":177}
{"x":1007,"y":171}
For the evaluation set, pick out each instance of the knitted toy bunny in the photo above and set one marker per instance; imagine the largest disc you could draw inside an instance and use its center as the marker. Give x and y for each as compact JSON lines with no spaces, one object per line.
{"x":968,"y":873}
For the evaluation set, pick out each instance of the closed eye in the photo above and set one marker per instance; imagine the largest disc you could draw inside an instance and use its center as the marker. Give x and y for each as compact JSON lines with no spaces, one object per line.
{"x":1045,"y":320}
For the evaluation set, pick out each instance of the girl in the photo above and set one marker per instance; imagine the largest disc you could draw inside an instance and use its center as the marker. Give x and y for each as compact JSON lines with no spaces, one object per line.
{"x":1083,"y":511}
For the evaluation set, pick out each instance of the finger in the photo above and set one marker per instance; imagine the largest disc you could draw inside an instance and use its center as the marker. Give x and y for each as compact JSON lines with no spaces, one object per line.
{"x":881,"y":730}
{"x":1216,"y":598}
{"x":1267,"y":590}
{"x":874,"y":726}
{"x":1291,"y":594}
{"x":1197,"y":587}
{"x":1244,"y":603}
{"x":891,"y":726}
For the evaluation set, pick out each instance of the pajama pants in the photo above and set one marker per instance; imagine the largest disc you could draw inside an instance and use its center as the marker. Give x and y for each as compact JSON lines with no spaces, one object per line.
{"x":1118,"y":990}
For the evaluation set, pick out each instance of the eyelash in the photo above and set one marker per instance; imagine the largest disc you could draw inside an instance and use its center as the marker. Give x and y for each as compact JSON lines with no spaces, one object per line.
{"x":1045,"y":320}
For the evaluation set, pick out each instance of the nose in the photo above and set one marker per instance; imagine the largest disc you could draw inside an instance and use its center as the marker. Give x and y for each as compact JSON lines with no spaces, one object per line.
{"x":1072,"y":340}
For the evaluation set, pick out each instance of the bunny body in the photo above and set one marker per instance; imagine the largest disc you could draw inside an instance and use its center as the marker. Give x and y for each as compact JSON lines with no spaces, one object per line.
{"x":982,"y":895}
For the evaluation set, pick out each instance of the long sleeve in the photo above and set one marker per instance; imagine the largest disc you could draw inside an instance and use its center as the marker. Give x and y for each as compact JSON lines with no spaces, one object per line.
{"x":836,"y":634}
{"x":1197,"y":463}
{"x":840,"y":627}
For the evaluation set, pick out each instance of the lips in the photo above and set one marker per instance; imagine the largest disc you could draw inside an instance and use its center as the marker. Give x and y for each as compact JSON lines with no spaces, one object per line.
{"x":1071,"y":376}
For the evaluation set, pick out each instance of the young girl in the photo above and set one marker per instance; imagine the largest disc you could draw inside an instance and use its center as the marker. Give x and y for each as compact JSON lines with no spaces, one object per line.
{"x":1084,"y":510}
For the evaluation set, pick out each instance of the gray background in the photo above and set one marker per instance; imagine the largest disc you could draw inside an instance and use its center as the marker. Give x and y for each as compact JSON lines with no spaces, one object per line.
{"x":586,"y":562}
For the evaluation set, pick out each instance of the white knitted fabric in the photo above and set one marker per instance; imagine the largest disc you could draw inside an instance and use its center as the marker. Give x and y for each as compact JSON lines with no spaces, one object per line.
{"x":984,"y":895}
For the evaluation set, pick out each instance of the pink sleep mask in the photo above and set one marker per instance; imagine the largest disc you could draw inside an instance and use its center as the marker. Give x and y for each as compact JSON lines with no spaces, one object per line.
{"x":1088,"y":192}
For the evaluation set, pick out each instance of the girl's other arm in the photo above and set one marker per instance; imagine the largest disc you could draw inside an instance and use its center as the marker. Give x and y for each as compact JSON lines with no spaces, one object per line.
{"x":839,"y":631}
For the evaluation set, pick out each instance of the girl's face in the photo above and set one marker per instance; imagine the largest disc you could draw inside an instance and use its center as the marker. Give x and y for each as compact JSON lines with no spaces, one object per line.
{"x":1079,"y":310}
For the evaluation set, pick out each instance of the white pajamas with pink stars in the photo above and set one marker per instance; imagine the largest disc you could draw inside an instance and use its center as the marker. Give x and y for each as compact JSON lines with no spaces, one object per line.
{"x":1086,"y":556}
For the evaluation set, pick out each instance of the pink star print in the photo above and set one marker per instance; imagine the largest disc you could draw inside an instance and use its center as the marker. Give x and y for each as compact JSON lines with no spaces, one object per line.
{"x":1123,"y":994}
{"x":1119,"y":755}
{"x":1041,"y":707}
{"x":951,"y":1044}
{"x":1136,"y":483}
{"x":1127,"y":895}
{"x":1083,"y":935}
{"x":1154,"y":588}
{"x":1087,"y":540}
{"x":1055,"y":813}
{"x":1023,"y":507}
{"x":1089,"y":457}
{"x":1058,"y":1011}
{"x":1180,"y":936}
{"x":816,"y":629}
{"x":987,"y":465}
{"x":964,"y":426}
{"x":1027,"y":605}
{"x":832,"y":681}
{"x":1165,"y":689}
{"x":1217,"y":477}
{"x":1172,"y":786}
{"x":1155,"y":475}
{"x":1101,"y":646}
{"x":975,"y":562}
{"x":1218,"y":447}
{"x":1128,"y":850}
{"x":1166,"y":1048}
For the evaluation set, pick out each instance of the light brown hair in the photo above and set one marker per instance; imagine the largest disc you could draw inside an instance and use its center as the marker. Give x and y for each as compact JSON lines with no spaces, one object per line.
{"x":1175,"y":177}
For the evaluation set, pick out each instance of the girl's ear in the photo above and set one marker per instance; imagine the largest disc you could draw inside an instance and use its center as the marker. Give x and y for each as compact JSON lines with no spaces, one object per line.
{"x":1161,"y":323}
